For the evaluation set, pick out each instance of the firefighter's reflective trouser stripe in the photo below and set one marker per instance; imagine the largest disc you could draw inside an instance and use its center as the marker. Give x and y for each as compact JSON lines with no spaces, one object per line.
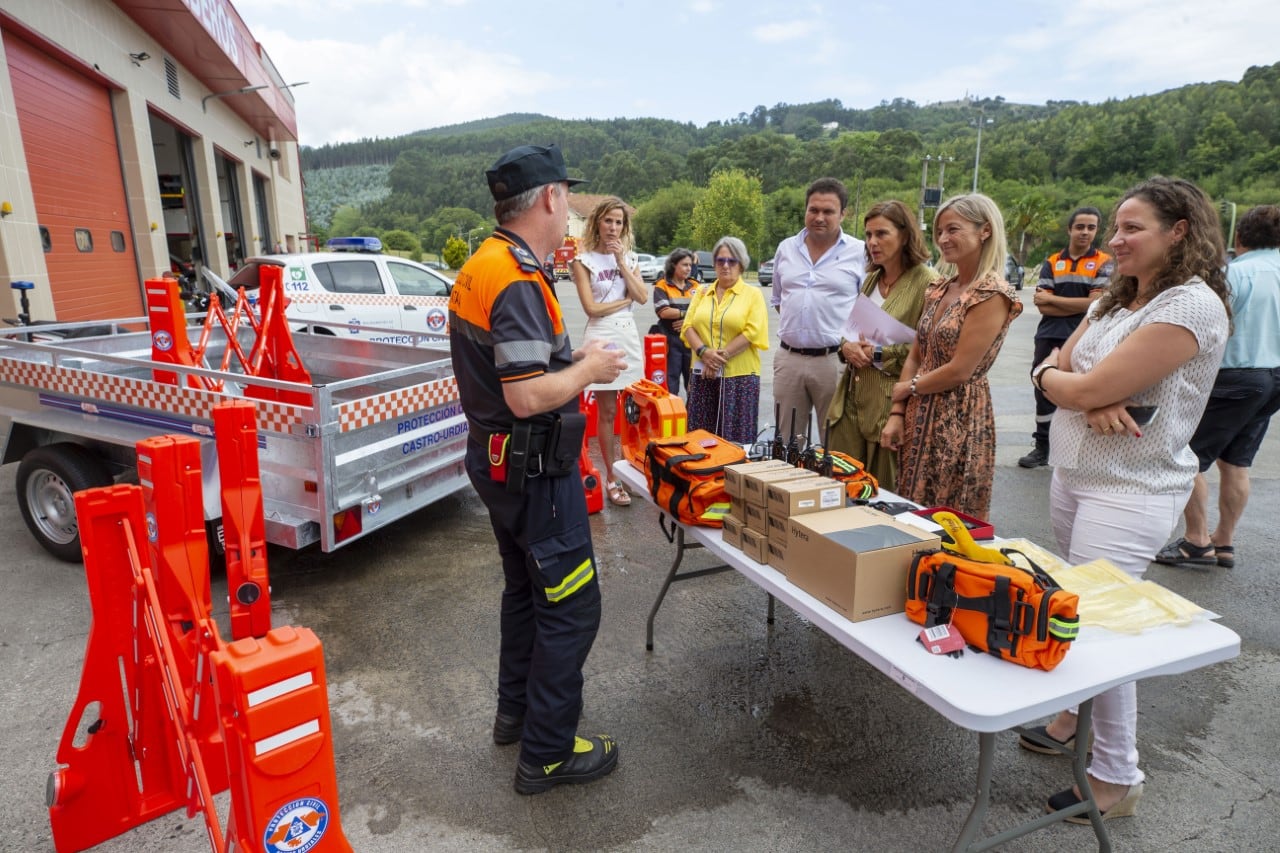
{"x":550,"y":605}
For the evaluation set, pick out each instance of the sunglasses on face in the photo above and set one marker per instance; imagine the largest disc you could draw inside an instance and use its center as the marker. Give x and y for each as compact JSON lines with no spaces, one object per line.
{"x":726,"y":262}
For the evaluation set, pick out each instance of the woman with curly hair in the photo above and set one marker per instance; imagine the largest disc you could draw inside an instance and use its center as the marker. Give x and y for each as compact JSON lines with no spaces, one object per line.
{"x":607,"y":275}
{"x":1154,"y":339}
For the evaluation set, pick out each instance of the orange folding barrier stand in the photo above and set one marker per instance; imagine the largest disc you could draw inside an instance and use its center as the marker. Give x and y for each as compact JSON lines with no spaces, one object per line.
{"x":235,"y":427}
{"x":274,"y":708}
{"x":649,"y":412}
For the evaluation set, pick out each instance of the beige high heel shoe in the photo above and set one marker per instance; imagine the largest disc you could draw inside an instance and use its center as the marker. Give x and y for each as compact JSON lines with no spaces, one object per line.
{"x":1127,"y":807}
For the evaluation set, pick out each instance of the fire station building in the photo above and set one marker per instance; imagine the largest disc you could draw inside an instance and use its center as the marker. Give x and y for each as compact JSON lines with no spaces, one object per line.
{"x":137,"y":136}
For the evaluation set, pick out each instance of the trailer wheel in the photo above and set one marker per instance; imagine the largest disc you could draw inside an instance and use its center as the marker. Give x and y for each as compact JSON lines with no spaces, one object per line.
{"x":47,"y":479}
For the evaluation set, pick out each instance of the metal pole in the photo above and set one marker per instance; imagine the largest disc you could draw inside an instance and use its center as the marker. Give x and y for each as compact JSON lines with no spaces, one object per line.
{"x":924,"y":180}
{"x":977,"y":154}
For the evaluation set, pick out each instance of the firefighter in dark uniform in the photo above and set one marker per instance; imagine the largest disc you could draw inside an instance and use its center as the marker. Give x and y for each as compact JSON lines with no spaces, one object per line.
{"x":519,"y":381}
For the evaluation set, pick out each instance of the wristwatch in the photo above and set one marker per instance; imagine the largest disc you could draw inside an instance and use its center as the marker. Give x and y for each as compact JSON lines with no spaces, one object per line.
{"x":877,"y":358}
{"x":1038,"y":371}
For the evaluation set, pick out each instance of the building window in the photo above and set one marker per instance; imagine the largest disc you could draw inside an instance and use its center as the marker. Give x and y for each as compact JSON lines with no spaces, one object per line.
{"x":117,"y":241}
{"x":46,"y":240}
{"x":84,"y":240}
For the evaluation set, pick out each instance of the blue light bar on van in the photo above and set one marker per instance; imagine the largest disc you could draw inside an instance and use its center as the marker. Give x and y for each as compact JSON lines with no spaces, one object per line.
{"x":354,"y":244}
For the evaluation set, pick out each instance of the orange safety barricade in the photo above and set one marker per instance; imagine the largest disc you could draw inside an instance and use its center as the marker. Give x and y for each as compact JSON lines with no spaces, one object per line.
{"x":235,"y":427}
{"x":165,"y":715}
{"x":655,"y":359}
{"x":650,"y":412}
{"x":274,"y":708}
{"x":592,"y":482}
{"x":140,"y":757}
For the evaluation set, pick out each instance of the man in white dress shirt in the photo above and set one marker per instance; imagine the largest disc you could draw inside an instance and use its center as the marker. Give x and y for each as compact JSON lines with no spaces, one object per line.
{"x":816,"y":278}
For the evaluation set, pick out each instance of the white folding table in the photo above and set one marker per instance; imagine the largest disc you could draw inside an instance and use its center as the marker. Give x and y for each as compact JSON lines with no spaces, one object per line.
{"x":979,"y":692}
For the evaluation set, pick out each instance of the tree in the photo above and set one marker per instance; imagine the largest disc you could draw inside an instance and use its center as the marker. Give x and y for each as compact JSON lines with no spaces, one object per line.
{"x":455,"y":252}
{"x":401,"y":241}
{"x":733,"y":205}
{"x":658,"y":221}
{"x":346,"y":220}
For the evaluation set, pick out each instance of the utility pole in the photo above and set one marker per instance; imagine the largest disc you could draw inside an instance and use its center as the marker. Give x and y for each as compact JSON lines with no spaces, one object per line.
{"x":977,"y":153}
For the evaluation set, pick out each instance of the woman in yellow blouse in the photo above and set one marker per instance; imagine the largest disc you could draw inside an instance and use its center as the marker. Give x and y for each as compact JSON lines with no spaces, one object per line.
{"x":726,"y":327}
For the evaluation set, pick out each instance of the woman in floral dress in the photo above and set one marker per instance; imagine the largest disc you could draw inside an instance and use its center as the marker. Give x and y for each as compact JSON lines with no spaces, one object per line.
{"x":945,"y":428}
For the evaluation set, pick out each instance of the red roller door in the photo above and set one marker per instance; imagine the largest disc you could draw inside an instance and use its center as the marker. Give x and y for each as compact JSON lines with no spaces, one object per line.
{"x":69,"y":136}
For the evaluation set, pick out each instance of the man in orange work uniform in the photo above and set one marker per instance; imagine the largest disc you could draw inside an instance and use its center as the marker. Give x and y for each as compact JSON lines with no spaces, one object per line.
{"x":519,"y":381}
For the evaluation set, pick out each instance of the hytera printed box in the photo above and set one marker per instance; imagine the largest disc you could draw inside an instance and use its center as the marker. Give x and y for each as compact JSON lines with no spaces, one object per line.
{"x":753,"y":487}
{"x":797,"y":497}
{"x":735,"y":474}
{"x":731,"y":533}
{"x":753,"y":546}
{"x":855,"y":560}
{"x":757,"y":519}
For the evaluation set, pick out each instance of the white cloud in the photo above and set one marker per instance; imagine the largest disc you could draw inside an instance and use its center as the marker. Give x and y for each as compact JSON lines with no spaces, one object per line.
{"x":783,"y":31}
{"x":401,"y":83}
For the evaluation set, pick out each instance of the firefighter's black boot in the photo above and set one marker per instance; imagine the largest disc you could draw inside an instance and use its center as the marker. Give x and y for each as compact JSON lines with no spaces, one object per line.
{"x":1038,"y":457}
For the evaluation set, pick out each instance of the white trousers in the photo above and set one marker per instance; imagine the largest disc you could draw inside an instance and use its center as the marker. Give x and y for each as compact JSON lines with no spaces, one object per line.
{"x":1128,"y":530}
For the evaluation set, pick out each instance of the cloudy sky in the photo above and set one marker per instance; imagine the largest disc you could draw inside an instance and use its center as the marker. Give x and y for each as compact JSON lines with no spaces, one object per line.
{"x":381,"y":68}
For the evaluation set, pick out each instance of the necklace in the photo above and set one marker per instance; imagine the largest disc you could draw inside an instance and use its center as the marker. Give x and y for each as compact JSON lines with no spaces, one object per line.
{"x":886,"y":286}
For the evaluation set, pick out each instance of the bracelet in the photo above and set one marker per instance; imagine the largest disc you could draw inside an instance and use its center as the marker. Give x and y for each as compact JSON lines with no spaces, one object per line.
{"x":701,"y":350}
{"x":902,"y":415}
{"x":914,"y":380}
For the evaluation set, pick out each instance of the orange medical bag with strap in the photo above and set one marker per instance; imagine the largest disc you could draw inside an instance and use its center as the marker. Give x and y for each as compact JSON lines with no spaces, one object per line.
{"x":1017,"y":614}
{"x":649,"y":412}
{"x":686,"y":476}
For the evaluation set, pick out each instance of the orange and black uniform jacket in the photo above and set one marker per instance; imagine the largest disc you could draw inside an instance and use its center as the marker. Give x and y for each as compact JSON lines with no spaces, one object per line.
{"x":505,"y":325}
{"x":668,"y":295}
{"x":1075,"y":278}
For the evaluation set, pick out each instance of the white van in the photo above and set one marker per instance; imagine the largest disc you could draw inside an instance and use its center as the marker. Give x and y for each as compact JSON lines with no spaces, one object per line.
{"x":361,"y":293}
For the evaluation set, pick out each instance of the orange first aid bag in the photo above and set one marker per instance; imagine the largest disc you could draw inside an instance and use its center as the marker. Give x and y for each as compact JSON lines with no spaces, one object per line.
{"x":1019,"y":615}
{"x":686,"y":476}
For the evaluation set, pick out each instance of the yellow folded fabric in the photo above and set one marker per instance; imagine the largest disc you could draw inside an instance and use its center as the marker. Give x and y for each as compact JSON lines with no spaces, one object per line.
{"x":1110,"y":598}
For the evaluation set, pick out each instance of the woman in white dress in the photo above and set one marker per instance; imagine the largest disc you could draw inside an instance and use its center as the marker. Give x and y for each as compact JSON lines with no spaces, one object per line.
{"x":607,"y":276}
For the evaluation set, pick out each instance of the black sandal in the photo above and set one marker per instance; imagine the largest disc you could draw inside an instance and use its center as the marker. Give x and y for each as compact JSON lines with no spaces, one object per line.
{"x":1226,"y":556}
{"x":1183,"y":553}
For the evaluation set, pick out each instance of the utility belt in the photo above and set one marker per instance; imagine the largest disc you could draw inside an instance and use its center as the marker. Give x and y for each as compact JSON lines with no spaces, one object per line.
{"x":541,"y":449}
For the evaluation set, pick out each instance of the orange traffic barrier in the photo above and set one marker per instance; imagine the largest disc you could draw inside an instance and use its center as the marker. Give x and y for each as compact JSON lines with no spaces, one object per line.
{"x":275,"y":712}
{"x":650,"y":412}
{"x":137,"y":759}
{"x":235,"y":427}
{"x":273,"y":355}
{"x":166,"y":715}
{"x":655,"y":359}
{"x":592,"y":482}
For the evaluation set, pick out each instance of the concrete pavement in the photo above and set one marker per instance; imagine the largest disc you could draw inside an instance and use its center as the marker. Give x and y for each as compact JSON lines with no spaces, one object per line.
{"x":734,"y":735}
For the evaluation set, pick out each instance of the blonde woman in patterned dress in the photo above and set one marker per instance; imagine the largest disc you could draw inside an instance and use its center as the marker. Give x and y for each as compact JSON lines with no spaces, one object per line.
{"x":1155,"y":338}
{"x":947,"y":432}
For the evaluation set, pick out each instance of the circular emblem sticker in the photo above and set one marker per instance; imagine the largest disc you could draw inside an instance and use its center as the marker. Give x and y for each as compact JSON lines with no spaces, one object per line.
{"x":435,"y":320}
{"x":163,"y":341}
{"x":296,"y":827}
{"x":153,"y":529}
{"x":659,"y":376}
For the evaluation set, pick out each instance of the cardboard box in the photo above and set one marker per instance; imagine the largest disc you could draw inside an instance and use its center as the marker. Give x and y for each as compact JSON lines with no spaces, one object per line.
{"x":778,"y":530}
{"x":777,"y":555}
{"x":735,"y":474}
{"x":738,"y":509}
{"x":757,"y":519}
{"x":807,"y":494}
{"x":731,"y":533}
{"x":855,"y":560}
{"x":753,"y":546}
{"x":753,"y":487}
